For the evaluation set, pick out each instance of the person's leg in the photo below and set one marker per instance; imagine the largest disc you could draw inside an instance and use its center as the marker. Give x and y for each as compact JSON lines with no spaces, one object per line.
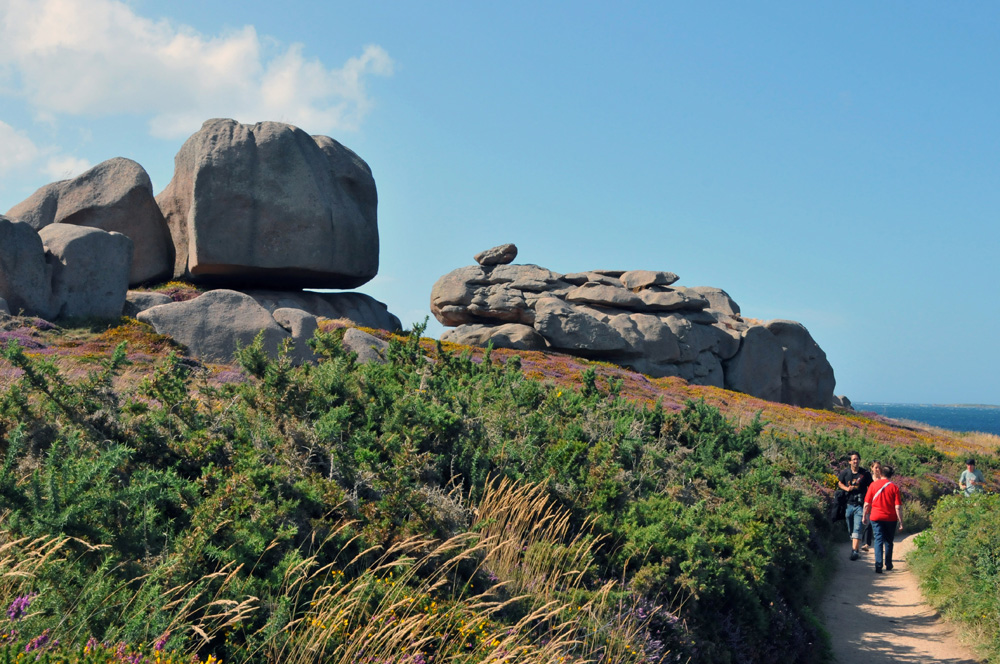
{"x":877,"y":535}
{"x":854,"y":515}
{"x":889,"y":528}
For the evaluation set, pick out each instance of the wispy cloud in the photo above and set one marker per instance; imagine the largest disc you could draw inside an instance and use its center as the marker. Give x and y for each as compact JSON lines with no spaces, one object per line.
{"x":17,"y":149}
{"x":98,"y":57}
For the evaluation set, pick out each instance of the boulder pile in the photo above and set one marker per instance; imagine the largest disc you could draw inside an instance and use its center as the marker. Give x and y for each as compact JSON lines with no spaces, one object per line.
{"x":256,"y":212}
{"x":639,"y":319}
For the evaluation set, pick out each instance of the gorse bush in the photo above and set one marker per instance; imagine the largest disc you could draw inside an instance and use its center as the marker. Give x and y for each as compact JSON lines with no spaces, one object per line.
{"x":958,"y":561}
{"x":436,"y":507}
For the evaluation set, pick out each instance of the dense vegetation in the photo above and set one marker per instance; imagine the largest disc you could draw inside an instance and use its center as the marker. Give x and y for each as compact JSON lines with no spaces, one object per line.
{"x":444,"y":506}
{"x":958,"y":561}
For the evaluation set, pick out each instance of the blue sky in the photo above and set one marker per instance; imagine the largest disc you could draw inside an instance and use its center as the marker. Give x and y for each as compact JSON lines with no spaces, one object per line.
{"x":831,"y":163}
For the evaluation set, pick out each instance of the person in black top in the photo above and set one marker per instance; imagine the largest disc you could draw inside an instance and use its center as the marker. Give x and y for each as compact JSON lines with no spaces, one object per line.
{"x":854,"y":481}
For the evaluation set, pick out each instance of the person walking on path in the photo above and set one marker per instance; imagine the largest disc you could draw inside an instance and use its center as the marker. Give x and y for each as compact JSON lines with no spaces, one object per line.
{"x":866,"y":536}
{"x":854,"y":480}
{"x":971,"y":480}
{"x":884,"y":509}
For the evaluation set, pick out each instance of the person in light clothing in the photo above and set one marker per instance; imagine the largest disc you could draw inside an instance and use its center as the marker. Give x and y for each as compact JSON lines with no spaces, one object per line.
{"x":971,"y":479}
{"x":884,"y":509}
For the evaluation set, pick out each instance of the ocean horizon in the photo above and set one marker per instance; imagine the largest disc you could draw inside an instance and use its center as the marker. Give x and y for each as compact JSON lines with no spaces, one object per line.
{"x":984,"y":418}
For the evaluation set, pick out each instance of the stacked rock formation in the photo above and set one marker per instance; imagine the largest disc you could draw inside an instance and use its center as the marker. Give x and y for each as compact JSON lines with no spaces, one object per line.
{"x":640,"y":319}
{"x":250,"y":207}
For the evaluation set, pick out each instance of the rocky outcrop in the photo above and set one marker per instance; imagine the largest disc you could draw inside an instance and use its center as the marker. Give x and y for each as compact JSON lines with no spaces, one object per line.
{"x":114,"y":196}
{"x":640,"y":319}
{"x":269,"y":205}
{"x":249,"y":207}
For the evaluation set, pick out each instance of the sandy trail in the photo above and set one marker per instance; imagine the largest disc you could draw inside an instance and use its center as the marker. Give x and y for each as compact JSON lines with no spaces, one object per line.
{"x":876,"y":618}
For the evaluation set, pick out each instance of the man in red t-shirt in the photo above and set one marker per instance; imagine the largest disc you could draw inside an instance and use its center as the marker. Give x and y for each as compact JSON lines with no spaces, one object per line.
{"x":883,"y":507}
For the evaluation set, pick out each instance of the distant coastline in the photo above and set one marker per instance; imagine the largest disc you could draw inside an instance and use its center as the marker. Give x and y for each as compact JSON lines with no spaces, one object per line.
{"x":982,"y":418}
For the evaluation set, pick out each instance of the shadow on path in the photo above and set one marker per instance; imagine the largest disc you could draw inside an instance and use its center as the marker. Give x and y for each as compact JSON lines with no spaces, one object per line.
{"x":882,"y":618}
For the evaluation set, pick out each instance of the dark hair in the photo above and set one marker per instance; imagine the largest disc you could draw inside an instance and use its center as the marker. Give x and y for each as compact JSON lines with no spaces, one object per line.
{"x":887,"y":472}
{"x":852,"y":453}
{"x":970,"y":461}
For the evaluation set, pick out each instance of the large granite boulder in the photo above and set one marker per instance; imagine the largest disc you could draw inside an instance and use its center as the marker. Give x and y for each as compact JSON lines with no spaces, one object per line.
{"x":114,"y":196}
{"x":501,"y":255}
{"x":756,"y":368}
{"x":269,"y":205}
{"x":640,"y":319}
{"x":806,"y":375}
{"x":212,"y":325}
{"x":90,"y":270}
{"x":137,"y":301}
{"x":25,"y":277}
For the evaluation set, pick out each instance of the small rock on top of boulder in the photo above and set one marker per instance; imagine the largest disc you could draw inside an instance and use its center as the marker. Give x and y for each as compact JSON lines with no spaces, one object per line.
{"x":500,"y":255}
{"x":270,"y":205}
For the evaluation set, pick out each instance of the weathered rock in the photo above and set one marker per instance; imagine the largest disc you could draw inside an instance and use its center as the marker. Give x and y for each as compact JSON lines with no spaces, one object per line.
{"x":648,"y":336}
{"x":806,"y":377}
{"x":565,"y":328}
{"x":841,"y":402}
{"x":90,"y":270}
{"x":301,"y":326}
{"x":362,"y":310}
{"x":213,"y":324}
{"x":640,"y":319}
{"x":672,"y":299}
{"x":639,"y":279}
{"x":508,"y":335}
{"x":25,"y":277}
{"x":608,"y":296}
{"x":368,"y":348}
{"x":718,"y":300}
{"x":756,"y":368}
{"x":501,"y":255}
{"x":136,"y":301}
{"x":267,"y":204}
{"x":114,"y":196}
{"x":529,"y":278}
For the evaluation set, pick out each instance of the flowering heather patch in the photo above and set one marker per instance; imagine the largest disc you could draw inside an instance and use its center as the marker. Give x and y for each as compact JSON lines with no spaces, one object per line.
{"x":139,"y":336}
{"x":26,"y":336}
{"x":42,"y":325}
{"x":226,"y":375}
{"x":179,"y":291}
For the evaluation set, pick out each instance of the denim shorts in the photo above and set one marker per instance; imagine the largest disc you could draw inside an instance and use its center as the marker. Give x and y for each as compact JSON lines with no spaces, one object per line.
{"x":854,"y":516}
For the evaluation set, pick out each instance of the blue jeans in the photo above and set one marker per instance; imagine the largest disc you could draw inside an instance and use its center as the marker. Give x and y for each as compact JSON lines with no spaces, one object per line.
{"x":883,"y":532}
{"x":854,"y":514}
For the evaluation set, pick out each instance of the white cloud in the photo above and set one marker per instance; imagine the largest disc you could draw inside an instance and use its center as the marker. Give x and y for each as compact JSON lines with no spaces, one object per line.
{"x":99,"y":57}
{"x":16,"y":149}
{"x":65,"y":167}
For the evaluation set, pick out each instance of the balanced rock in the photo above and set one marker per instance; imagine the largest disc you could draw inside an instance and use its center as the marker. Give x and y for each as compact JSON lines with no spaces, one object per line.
{"x":269,"y":205}
{"x":25,"y":277}
{"x":639,"y":279}
{"x":114,"y":196}
{"x":90,"y":270}
{"x":501,"y":255}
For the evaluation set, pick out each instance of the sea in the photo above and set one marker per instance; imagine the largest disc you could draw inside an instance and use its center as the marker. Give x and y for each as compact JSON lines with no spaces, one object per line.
{"x":954,"y":417}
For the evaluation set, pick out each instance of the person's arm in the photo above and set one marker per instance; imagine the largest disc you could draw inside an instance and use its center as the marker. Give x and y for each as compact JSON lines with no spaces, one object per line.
{"x":899,"y":516}
{"x":961,"y":480}
{"x":867,"y":510}
{"x":843,"y":487}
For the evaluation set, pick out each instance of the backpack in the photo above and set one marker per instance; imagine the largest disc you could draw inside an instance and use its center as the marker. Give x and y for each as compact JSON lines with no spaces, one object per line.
{"x":838,"y":508}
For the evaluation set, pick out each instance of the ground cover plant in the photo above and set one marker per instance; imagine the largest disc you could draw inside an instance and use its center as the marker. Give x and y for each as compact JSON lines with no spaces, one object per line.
{"x":958,"y":562}
{"x":450,"y":505}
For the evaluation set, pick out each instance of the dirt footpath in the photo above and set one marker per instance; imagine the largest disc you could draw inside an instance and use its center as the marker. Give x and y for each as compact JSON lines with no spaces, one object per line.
{"x":875,"y":618}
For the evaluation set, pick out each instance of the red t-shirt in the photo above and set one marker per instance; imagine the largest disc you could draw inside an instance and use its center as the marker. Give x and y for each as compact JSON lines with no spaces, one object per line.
{"x":883,"y":507}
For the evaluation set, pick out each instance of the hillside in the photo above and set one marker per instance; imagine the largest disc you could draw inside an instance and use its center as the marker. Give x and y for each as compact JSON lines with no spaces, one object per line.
{"x":451,"y":504}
